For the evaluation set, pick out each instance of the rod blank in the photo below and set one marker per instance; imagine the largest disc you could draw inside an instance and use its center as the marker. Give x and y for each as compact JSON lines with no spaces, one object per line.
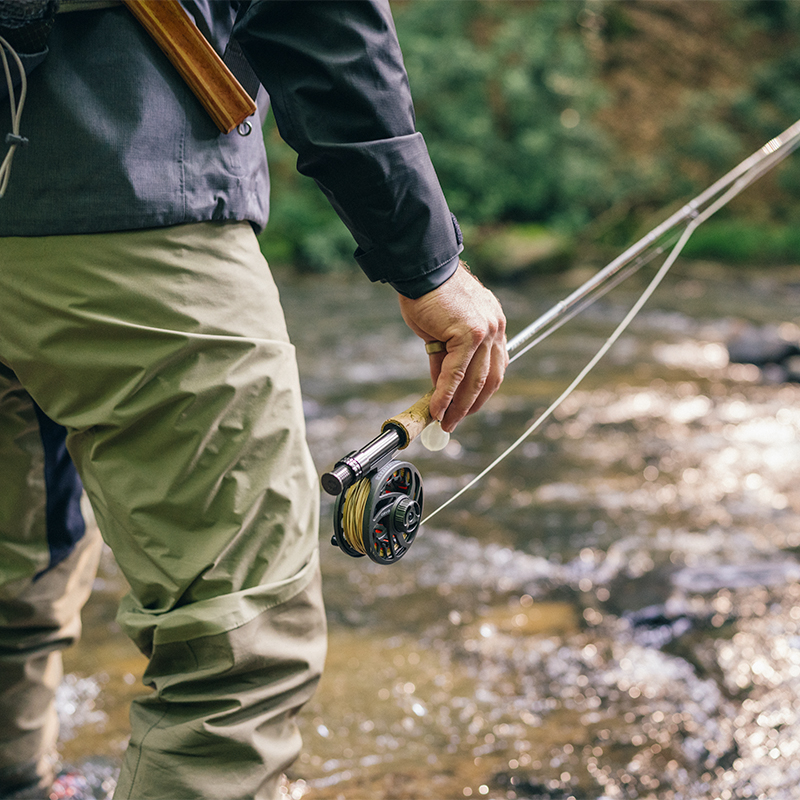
{"x":401,"y":430}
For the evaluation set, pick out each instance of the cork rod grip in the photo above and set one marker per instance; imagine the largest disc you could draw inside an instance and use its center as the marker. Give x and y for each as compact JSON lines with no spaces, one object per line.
{"x":413,"y":420}
{"x":200,"y":66}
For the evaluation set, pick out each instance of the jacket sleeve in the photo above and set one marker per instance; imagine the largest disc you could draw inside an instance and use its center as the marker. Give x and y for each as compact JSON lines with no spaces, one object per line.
{"x":340,"y":95}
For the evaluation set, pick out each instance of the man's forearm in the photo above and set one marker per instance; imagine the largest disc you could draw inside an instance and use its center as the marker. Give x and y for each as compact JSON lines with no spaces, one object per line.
{"x":340,"y":95}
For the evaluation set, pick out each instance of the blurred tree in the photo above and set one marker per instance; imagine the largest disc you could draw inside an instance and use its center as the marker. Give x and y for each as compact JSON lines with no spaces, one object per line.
{"x":585,"y":118}
{"x":505,"y":93}
{"x":303,"y":231}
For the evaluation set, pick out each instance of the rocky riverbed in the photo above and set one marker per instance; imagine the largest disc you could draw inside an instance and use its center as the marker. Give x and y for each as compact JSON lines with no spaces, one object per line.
{"x":611,"y":613}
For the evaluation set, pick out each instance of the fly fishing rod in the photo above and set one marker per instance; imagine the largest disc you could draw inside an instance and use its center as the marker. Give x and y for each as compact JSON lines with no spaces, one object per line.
{"x":378,"y":510}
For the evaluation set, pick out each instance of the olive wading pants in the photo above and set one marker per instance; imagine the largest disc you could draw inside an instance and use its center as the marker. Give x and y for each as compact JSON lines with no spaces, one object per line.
{"x":161,"y":358}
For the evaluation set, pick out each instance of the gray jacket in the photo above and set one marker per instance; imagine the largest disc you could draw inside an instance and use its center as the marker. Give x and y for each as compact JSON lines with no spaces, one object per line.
{"x":118,"y":142}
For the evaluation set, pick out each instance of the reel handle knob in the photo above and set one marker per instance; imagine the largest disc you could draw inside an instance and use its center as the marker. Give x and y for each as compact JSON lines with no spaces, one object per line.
{"x":406,"y":515}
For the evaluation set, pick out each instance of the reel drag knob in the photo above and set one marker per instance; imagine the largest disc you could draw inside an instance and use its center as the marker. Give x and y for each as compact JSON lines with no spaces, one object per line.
{"x":406,"y":516}
{"x":380,"y":515}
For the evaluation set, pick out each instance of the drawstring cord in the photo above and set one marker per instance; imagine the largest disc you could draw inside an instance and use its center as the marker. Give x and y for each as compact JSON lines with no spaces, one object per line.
{"x":13,"y":139}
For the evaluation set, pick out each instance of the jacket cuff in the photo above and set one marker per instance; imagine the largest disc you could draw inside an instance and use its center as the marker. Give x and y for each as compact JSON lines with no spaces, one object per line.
{"x":427,"y":276}
{"x":416,"y":287}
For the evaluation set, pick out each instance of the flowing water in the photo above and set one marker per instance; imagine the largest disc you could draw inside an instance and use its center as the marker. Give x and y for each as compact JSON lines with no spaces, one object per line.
{"x":613,"y":612}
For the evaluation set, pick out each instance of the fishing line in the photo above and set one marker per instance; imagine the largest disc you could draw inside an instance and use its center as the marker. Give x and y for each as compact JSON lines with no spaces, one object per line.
{"x":745,"y":179}
{"x":353,"y":508}
{"x":635,"y":266}
{"x":379,"y":500}
{"x":581,"y":375}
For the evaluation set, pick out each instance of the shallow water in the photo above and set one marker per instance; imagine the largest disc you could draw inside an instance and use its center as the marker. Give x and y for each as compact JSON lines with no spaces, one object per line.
{"x":611,"y":613}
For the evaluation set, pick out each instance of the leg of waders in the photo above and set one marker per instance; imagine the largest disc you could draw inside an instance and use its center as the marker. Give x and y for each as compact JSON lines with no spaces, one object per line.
{"x":47,"y":566}
{"x":227,"y":701}
{"x":177,"y":382}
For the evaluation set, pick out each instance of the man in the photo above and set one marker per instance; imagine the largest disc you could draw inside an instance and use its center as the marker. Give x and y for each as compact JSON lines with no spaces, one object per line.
{"x":139,"y":323}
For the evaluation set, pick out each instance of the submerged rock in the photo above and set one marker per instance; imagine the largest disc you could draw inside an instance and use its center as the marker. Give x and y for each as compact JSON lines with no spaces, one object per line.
{"x":775,"y":355}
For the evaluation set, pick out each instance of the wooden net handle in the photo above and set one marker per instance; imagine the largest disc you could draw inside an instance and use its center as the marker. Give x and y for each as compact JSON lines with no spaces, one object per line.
{"x":198,"y":63}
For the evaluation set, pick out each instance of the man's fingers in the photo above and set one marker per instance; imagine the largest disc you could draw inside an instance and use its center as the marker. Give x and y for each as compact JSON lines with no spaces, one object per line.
{"x":468,"y":319}
{"x":437,"y":405}
{"x":452,"y":374}
{"x":466,"y":387}
{"x":461,"y":383}
{"x":497,"y":369}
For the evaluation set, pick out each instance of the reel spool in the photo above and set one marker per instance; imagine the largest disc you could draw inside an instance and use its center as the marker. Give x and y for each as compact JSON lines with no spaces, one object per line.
{"x":379,"y":515}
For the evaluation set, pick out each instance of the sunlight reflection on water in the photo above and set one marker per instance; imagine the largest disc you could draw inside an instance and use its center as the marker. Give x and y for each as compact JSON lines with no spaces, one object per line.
{"x":612,"y":614}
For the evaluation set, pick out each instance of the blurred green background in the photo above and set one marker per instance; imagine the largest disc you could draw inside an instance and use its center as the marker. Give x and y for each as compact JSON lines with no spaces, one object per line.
{"x":559,"y":127}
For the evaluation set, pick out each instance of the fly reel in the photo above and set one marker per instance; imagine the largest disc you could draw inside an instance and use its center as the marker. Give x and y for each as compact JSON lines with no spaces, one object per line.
{"x":379,"y":515}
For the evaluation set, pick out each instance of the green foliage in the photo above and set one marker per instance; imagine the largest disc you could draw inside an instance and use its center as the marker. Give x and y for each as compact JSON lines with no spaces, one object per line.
{"x":504,"y":94}
{"x":714,"y":130}
{"x":737,"y":241}
{"x":772,"y":101}
{"x":699,"y":136}
{"x":303,"y":231}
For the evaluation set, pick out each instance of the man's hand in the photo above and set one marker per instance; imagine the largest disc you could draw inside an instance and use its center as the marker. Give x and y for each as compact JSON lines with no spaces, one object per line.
{"x":468,"y":318}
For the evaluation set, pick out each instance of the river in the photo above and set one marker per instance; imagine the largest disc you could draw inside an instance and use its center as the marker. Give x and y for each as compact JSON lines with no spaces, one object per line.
{"x":611,"y":613}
